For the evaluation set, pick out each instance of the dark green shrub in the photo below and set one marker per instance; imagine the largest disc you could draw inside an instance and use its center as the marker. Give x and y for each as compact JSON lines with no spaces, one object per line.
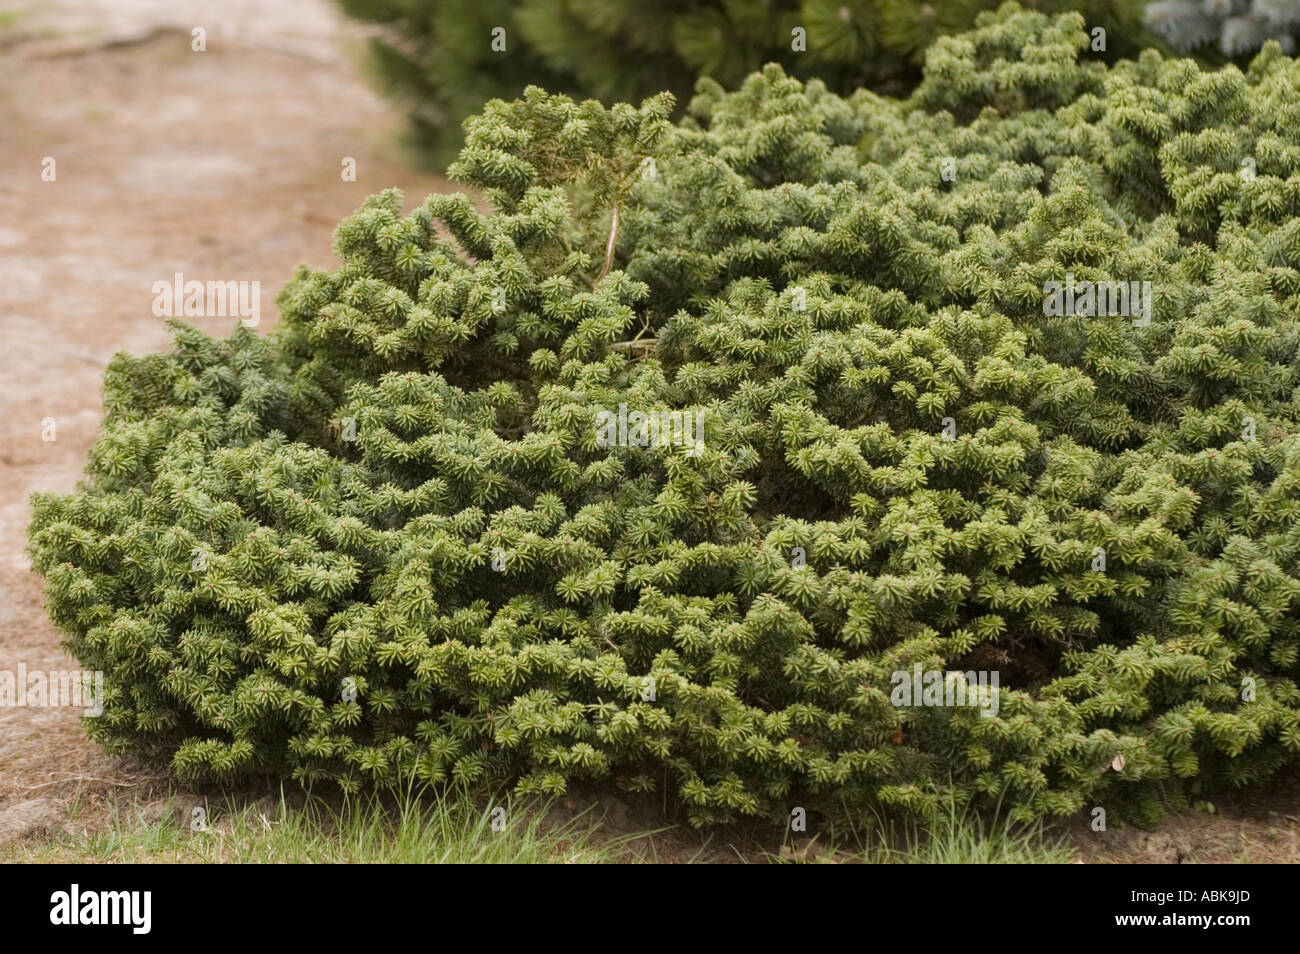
{"x":906,"y":462}
{"x":442,"y":58}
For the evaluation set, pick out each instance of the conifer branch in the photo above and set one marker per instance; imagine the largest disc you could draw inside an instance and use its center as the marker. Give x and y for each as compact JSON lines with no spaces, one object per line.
{"x":609,"y":245}
{"x":636,"y":344}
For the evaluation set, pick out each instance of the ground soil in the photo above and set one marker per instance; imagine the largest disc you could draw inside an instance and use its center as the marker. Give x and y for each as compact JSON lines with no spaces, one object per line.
{"x":225,"y":165}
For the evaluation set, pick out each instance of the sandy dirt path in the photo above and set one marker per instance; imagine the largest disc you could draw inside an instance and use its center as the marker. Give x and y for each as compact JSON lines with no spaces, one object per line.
{"x":222,"y":165}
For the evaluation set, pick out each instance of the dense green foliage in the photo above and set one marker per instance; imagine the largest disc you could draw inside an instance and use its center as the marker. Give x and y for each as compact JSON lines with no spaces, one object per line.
{"x":497,"y":586}
{"x":439,"y":56}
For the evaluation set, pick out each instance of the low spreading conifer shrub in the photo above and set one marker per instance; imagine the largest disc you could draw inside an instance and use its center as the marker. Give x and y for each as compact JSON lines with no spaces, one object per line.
{"x":398,"y":536}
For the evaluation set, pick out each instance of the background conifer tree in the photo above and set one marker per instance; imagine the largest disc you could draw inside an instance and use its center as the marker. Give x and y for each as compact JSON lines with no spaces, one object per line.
{"x":438,"y":55}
